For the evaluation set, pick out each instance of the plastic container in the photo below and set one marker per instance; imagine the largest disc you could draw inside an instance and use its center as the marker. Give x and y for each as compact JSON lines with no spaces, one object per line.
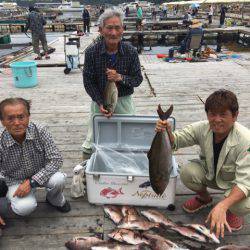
{"x":161,"y":55}
{"x":24,"y":74}
{"x":123,"y":132}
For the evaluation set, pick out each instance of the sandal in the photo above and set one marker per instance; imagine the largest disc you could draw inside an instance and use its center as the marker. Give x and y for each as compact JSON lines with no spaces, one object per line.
{"x":234,"y":221}
{"x":195,"y":204}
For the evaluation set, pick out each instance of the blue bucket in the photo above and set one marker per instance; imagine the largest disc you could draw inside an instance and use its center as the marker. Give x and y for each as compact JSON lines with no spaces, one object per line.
{"x":24,"y":74}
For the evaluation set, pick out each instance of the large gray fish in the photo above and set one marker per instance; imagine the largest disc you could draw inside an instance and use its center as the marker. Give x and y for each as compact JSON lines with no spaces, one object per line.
{"x":114,"y":213}
{"x":160,"y":157}
{"x":138,"y":225}
{"x":233,"y":247}
{"x":205,"y":231}
{"x":159,"y":243}
{"x":189,"y":233}
{"x":110,"y":96}
{"x":157,"y":217}
{"x":83,"y":243}
{"x":128,"y":236}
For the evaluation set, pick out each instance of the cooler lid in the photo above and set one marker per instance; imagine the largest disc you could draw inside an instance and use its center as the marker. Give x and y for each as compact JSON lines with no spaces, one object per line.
{"x":126,"y":131}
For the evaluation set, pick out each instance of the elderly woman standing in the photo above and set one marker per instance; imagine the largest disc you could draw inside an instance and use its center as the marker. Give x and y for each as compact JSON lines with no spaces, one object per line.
{"x":110,"y":59}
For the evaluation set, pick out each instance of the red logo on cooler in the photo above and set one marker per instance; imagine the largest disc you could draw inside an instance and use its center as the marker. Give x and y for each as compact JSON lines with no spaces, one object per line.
{"x":111,"y":193}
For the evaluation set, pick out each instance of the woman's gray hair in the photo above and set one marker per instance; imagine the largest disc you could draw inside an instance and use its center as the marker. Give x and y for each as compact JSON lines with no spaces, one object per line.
{"x":109,"y":13}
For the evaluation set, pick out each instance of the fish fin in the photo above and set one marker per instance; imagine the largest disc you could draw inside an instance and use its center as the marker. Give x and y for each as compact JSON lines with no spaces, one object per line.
{"x":164,"y":115}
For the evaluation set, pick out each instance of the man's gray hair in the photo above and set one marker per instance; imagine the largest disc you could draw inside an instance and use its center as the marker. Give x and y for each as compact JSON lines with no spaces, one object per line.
{"x":109,"y":13}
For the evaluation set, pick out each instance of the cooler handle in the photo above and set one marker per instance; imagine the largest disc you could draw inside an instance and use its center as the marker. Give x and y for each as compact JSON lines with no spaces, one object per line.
{"x":130,"y":178}
{"x":174,"y":122}
{"x":96,"y":177}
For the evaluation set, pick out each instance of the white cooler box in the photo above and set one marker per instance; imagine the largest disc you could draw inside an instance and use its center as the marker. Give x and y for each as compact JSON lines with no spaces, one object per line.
{"x":126,"y":134}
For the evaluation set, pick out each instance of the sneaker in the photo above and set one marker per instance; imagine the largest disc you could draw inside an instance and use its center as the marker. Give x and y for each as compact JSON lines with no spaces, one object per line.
{"x":195,"y":204}
{"x":64,"y":209}
{"x":234,"y":221}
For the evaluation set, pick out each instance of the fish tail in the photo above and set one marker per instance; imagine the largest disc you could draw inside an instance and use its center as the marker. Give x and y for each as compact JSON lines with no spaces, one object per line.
{"x":164,"y":115}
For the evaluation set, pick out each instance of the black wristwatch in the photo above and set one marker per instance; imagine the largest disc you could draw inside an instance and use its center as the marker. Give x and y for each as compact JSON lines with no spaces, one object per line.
{"x":33,"y":183}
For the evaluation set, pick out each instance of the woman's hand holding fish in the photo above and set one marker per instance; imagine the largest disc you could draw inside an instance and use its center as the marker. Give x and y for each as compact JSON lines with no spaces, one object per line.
{"x":2,"y":223}
{"x":104,"y":111}
{"x":162,"y":126}
{"x":113,"y":75}
{"x":217,"y":217}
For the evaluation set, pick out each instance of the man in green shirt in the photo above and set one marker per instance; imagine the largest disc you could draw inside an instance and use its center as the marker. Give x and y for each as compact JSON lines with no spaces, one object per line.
{"x":223,"y":164}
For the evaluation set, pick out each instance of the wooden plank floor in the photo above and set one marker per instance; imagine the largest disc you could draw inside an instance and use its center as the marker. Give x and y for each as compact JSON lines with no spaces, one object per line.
{"x":60,"y":102}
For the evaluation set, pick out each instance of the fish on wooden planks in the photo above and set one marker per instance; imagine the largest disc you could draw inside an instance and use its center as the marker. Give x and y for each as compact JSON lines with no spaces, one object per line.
{"x":160,"y":156}
{"x":233,"y":247}
{"x":189,"y":233}
{"x":128,"y":210}
{"x":130,"y":214}
{"x":128,"y":236}
{"x":110,"y":96}
{"x":205,"y":231}
{"x":155,"y":216}
{"x":132,"y":217}
{"x":141,"y":225}
{"x":158,"y":242}
{"x":114,"y":213}
{"x":83,"y":243}
{"x":117,"y":246}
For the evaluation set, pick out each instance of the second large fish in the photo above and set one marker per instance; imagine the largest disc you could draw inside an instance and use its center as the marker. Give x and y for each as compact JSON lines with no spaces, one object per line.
{"x":160,"y":157}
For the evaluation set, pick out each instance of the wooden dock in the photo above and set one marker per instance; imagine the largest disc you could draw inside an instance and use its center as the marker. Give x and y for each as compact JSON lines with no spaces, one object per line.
{"x":60,"y":102}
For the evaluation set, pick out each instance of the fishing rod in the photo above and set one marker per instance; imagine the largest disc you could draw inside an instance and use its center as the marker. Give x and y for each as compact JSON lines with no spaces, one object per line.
{"x":200,"y":99}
